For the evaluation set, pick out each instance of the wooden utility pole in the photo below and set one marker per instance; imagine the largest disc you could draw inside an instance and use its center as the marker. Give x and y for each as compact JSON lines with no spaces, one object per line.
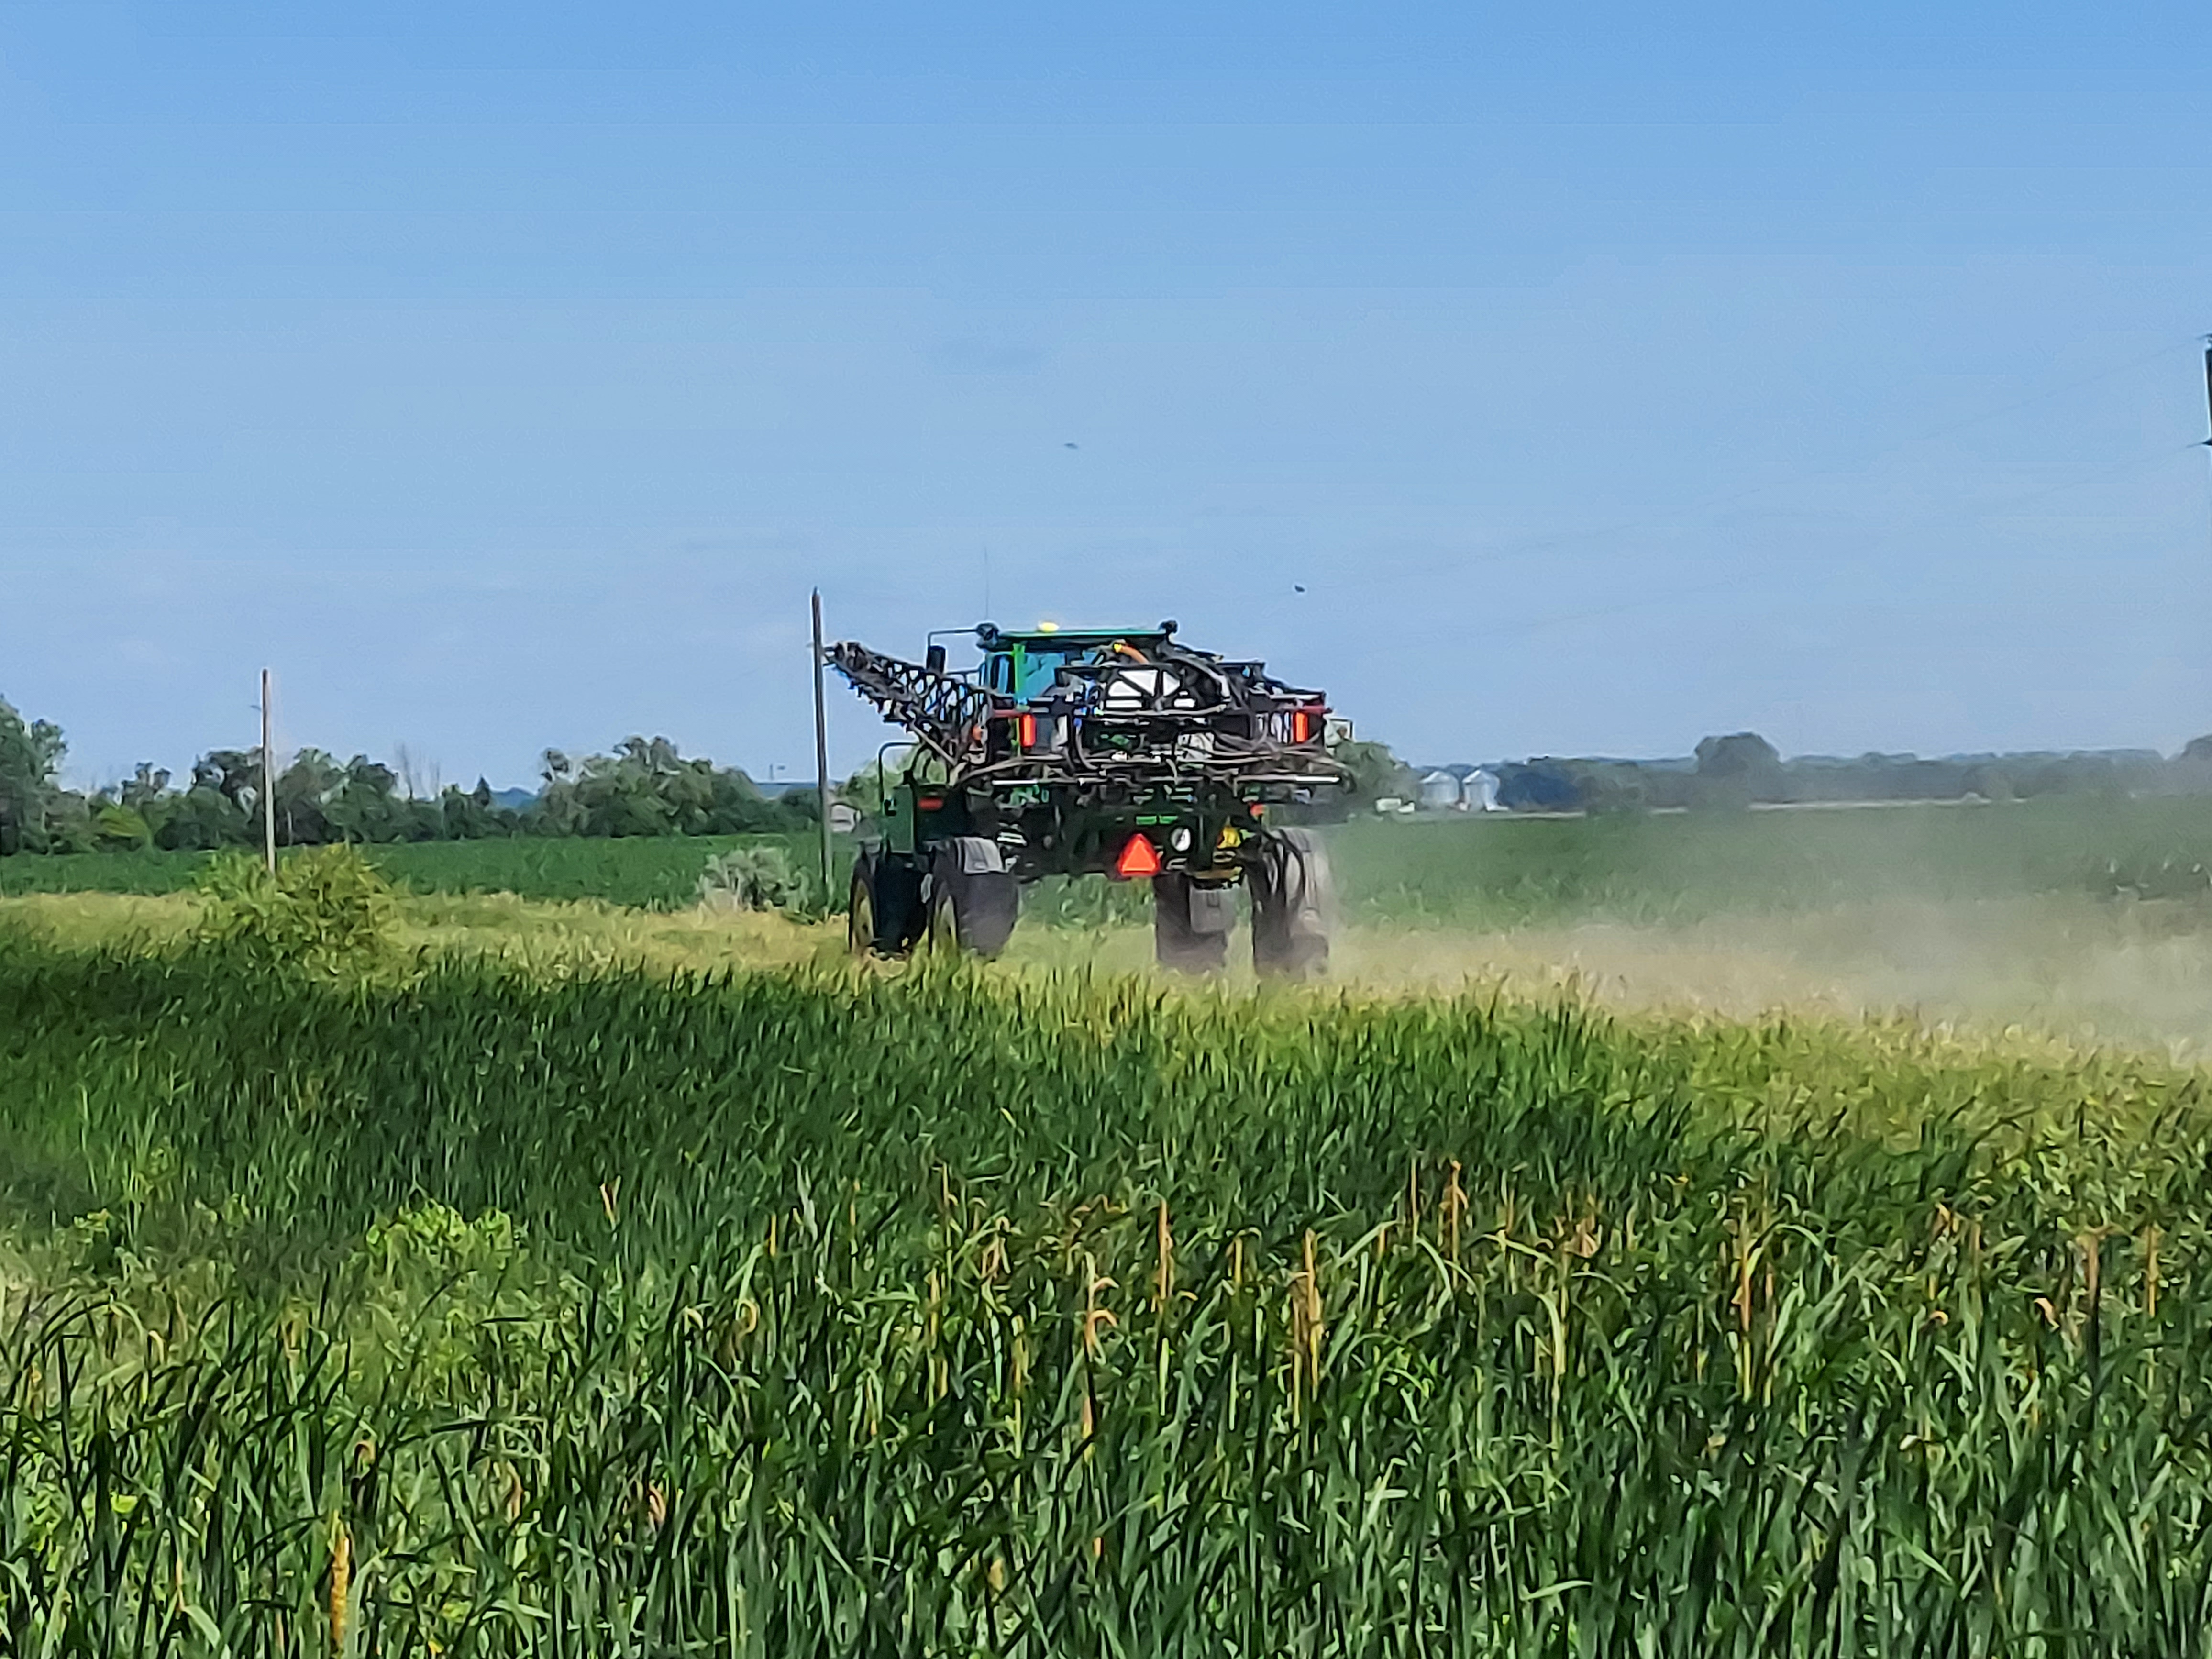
{"x":268,"y":782}
{"x":822,"y":754}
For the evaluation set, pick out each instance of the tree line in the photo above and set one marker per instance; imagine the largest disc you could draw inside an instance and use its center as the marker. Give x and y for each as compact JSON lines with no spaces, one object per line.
{"x":645,"y":787}
{"x":1742,"y":769}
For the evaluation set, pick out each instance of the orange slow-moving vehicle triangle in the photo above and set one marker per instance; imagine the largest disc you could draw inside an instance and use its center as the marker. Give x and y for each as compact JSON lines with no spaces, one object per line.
{"x":1138,"y":858}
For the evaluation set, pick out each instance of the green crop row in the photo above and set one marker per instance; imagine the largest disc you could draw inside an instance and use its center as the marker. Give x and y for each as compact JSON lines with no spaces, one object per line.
{"x":652,"y":873}
{"x":1503,"y":869}
{"x":949,"y":1312}
{"x":1484,"y":871}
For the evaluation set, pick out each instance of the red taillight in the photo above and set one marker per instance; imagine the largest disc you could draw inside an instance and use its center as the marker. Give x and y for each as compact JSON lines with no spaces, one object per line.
{"x":1025,"y":730}
{"x":1301,"y":726}
{"x":930,"y":803}
{"x":1138,"y":858}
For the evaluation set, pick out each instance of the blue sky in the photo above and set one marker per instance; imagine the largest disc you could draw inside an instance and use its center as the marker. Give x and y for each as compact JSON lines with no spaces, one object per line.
{"x":504,"y":375}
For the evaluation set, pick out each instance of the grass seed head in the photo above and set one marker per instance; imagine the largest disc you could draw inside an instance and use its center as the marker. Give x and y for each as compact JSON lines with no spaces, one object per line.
{"x":340,"y":1582}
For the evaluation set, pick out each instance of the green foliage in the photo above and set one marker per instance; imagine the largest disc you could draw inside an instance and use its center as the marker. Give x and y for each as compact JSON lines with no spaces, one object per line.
{"x":156,"y":871}
{"x":30,"y":754}
{"x":1739,"y":755}
{"x":660,"y":873}
{"x":1481,"y":871}
{"x":1499,"y":871}
{"x":644,"y":789}
{"x":430,"y":1288}
{"x":868,"y":790}
{"x":656,"y":873}
{"x":647,"y":788}
{"x":123,"y":827}
{"x":1086,"y":902}
{"x":1376,"y":774}
{"x":1734,"y":771}
{"x":942,"y":1314}
{"x":762,"y":877}
{"x":326,"y":909}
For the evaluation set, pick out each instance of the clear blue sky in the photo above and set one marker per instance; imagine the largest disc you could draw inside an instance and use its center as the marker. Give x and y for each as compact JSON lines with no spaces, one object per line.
{"x":504,"y":375}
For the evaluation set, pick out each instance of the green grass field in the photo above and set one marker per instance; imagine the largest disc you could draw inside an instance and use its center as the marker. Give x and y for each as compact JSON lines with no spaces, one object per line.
{"x":521,"y":1288}
{"x":1484,"y":872}
{"x":649,"y":873}
{"x":956,"y":1312}
{"x":1502,"y":870}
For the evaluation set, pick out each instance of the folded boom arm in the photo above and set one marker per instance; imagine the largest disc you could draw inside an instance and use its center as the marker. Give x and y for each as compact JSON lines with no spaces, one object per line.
{"x":946,"y":713}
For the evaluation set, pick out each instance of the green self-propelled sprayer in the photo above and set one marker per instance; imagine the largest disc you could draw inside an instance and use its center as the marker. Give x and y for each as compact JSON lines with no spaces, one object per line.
{"x":1097,"y":751}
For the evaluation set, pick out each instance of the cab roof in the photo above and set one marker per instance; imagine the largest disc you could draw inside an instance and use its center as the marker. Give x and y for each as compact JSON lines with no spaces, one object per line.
{"x":989,"y":634}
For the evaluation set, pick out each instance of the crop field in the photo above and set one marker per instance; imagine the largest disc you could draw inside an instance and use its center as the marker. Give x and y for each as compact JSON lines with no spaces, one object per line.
{"x":578,"y":1279}
{"x":1454,"y":871}
{"x":644,"y":872}
{"x":952,"y":1311}
{"x":1663,"y":868}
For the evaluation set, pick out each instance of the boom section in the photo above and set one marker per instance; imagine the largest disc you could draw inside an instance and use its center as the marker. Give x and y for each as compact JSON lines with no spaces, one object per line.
{"x":1129,"y":712}
{"x":947,"y":715}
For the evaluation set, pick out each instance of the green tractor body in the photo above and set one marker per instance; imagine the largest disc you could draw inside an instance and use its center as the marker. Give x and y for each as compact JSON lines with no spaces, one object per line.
{"x":1112,"y":752}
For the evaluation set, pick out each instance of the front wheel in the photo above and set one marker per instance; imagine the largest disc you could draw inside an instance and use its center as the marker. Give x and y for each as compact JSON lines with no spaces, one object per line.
{"x":884,"y":910}
{"x":861,"y":909}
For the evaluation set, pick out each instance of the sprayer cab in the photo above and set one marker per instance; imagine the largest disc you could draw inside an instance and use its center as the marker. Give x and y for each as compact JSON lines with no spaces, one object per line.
{"x":1028,"y":663}
{"x":1116,"y":753}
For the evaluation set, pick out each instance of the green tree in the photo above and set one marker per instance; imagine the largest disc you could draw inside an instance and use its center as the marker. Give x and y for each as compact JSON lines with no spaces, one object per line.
{"x":364,"y":804}
{"x":1735,"y":770}
{"x":216,"y":809}
{"x":303,"y":793}
{"x":1376,"y":774}
{"x":1606,"y":786}
{"x":30,"y":754}
{"x":471,"y":815}
{"x":647,"y":788}
{"x":120,"y":827}
{"x":145,"y":797}
{"x":203,"y":819}
{"x":867,"y":790}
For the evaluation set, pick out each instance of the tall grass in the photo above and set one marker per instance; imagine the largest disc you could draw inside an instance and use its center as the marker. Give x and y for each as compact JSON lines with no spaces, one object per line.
{"x":946,"y":1313}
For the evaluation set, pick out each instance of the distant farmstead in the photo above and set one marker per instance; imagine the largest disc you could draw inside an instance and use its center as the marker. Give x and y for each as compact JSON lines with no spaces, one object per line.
{"x":1459,"y":789}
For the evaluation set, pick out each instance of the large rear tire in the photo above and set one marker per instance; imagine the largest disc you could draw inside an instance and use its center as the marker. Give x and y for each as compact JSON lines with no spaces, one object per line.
{"x":1292,"y":906}
{"x":974,"y":899}
{"x":1191,"y":925}
{"x":941,"y":925}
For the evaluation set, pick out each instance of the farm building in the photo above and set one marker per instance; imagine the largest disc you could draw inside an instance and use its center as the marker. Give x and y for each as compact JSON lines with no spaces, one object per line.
{"x":1459,"y":789}
{"x":1441,"y":790}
